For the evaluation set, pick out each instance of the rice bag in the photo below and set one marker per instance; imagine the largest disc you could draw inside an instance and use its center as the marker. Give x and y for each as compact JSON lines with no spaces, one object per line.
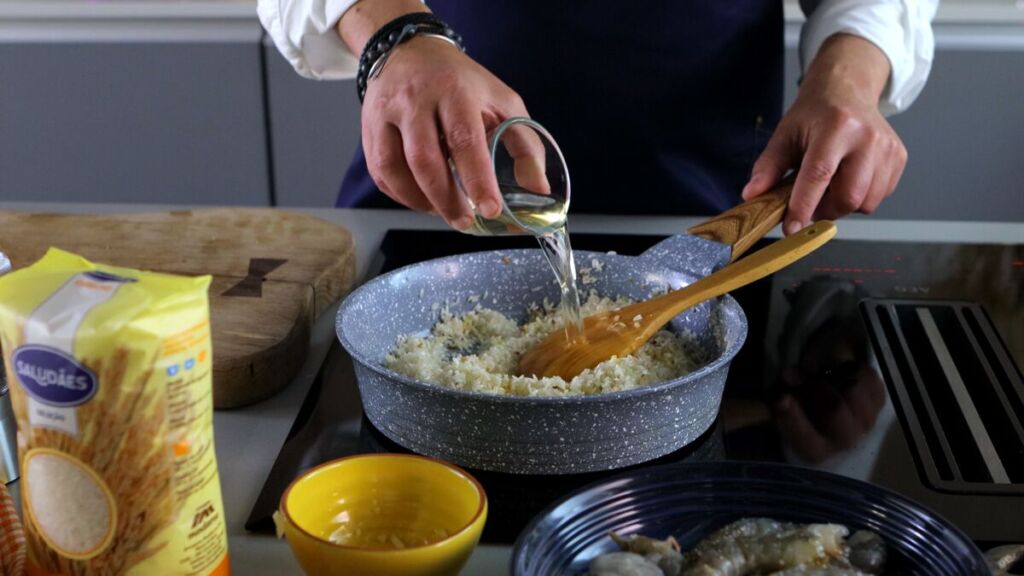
{"x":110,"y":372}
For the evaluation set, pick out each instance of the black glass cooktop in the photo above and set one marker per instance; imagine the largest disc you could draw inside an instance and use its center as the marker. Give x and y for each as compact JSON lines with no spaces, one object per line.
{"x":894,"y":363}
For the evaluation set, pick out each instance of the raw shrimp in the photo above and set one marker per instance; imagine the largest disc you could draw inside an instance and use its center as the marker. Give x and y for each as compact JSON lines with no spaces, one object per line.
{"x":819,"y":571}
{"x":866,"y":551}
{"x":623,"y":564}
{"x":762,"y":545}
{"x":751,"y":546}
{"x":664,"y":553}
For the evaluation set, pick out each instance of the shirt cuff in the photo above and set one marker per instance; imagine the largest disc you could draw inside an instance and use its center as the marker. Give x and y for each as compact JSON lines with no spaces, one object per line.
{"x":303,"y":31}
{"x":900,"y":29}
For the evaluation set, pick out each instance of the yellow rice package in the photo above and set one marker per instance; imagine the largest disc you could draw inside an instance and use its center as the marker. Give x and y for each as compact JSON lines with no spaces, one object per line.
{"x":110,"y":372}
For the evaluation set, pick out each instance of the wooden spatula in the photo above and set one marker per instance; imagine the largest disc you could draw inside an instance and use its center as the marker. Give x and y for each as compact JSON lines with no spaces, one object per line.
{"x":621,"y":332}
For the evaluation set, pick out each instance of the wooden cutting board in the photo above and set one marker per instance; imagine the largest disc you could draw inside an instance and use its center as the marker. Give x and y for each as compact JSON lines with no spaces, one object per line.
{"x":274,"y":272}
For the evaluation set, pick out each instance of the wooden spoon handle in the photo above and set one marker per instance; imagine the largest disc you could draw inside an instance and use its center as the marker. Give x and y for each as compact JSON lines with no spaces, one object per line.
{"x":743,"y":225}
{"x":750,"y":269}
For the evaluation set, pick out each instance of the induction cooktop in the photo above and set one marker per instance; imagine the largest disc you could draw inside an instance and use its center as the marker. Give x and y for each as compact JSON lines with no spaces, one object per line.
{"x":895,"y":363}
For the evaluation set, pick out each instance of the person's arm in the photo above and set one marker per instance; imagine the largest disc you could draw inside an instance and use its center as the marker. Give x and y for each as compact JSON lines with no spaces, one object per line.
{"x":847,"y":156}
{"x":429,"y":91}
{"x":901,"y":29}
{"x":364,"y":18}
{"x":303,"y":32}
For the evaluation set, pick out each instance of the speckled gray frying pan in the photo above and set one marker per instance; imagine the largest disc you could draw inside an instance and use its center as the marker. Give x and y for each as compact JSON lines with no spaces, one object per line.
{"x":530,"y":435}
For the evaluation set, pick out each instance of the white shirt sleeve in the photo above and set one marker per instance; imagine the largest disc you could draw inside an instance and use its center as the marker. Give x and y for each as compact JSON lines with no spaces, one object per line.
{"x":303,"y":31}
{"x":901,"y":29}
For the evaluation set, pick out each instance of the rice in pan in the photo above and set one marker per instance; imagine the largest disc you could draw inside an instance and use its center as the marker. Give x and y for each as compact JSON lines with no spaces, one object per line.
{"x":479,"y":350}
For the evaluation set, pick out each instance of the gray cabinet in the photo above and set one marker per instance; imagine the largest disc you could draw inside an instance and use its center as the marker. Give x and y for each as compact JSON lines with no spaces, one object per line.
{"x":965,"y":137}
{"x":173,"y":122}
{"x":315,"y":131}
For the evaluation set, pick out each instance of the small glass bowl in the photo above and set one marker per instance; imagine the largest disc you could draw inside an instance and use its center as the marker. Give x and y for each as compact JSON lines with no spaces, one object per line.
{"x":532,"y":177}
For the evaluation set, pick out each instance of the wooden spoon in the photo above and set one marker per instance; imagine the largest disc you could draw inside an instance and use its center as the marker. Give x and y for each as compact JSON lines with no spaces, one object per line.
{"x":621,"y":332}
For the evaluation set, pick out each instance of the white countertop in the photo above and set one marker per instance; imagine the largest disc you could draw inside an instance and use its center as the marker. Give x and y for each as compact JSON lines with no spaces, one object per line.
{"x":248,"y":439}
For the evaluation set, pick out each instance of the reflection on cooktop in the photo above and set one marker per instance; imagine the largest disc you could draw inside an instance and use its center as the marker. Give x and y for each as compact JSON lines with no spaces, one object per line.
{"x":807,"y":387}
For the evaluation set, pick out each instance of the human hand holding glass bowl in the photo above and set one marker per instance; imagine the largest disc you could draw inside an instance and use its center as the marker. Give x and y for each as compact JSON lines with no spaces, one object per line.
{"x":532,"y":180}
{"x":383,"y":514}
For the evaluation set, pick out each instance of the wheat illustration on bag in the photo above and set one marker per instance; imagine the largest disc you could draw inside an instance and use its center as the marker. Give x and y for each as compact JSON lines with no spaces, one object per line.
{"x":114,"y":412}
{"x":122,"y":432}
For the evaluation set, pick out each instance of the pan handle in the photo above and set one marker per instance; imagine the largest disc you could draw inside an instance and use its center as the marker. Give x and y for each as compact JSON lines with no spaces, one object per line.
{"x":743,"y":225}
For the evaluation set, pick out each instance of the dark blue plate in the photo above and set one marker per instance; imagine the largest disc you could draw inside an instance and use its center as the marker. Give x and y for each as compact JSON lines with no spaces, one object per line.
{"x":689,"y":501}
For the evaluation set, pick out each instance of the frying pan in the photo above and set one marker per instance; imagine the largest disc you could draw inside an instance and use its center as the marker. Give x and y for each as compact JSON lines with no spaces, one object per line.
{"x":551,"y":435}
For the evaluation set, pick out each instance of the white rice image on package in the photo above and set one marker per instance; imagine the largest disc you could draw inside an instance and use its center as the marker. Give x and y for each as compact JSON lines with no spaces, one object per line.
{"x":68,"y":504}
{"x":110,"y":373}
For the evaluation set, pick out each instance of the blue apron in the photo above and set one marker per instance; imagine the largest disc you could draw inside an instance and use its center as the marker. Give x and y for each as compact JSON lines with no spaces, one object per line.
{"x":659,"y":107}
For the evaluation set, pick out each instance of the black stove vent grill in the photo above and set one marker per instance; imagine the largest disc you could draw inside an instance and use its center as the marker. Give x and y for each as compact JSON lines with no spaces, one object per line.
{"x":959,"y":395}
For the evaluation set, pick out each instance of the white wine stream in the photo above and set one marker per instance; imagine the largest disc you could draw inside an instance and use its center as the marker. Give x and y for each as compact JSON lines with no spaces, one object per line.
{"x":558,"y":251}
{"x":544,"y":218}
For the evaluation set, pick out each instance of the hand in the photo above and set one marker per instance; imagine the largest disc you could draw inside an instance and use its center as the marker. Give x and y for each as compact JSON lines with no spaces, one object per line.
{"x":832,"y":396}
{"x":847,"y":155}
{"x":430,"y":103}
{"x":819,"y":418}
{"x":429,"y":92}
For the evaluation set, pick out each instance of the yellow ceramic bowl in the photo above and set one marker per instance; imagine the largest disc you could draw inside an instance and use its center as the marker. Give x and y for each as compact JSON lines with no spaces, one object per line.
{"x":383,"y":514}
